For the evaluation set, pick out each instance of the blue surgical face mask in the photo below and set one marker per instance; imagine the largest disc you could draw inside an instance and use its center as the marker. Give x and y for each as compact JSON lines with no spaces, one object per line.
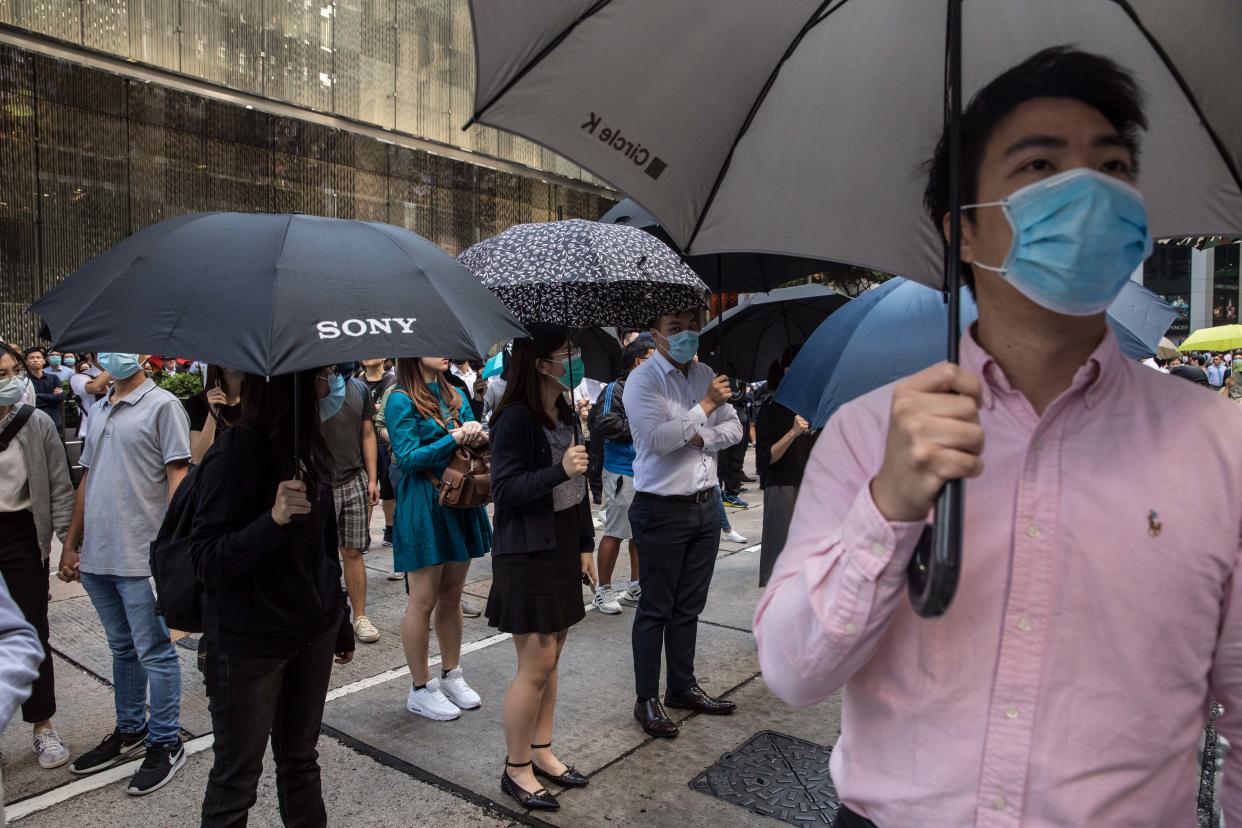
{"x":54,"y":361}
{"x":1077,"y":237}
{"x":331,"y":404}
{"x":11,"y":390}
{"x":70,"y":362}
{"x":120,"y":366}
{"x":682,"y":346}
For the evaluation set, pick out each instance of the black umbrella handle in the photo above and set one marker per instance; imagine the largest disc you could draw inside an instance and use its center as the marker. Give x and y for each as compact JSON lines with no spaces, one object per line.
{"x":936,"y":563}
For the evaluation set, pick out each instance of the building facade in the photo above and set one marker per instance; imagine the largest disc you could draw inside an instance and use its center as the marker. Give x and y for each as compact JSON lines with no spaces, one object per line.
{"x":117,"y":114}
{"x":1200,"y":279}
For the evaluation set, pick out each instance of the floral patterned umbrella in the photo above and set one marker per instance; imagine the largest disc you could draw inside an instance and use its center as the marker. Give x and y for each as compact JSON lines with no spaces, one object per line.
{"x":583,"y":274}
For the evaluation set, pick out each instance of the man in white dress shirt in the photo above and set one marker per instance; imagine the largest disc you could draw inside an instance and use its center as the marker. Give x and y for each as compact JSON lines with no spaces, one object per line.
{"x":680,"y":419}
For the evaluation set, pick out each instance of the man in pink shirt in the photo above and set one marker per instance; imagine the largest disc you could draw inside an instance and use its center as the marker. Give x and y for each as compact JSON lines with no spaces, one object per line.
{"x":1098,"y":606}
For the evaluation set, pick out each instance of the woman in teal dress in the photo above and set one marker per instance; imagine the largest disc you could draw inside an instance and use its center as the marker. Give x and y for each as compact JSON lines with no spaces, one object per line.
{"x":428,"y":419}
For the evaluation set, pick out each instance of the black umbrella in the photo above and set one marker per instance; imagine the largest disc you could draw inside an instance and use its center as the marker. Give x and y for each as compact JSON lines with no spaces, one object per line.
{"x":601,"y":352}
{"x":736,"y":272}
{"x":271,"y":294}
{"x":746,"y":340}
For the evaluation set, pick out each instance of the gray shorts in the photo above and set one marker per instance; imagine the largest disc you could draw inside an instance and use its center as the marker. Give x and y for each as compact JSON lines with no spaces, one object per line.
{"x":618,"y":495}
{"x":351,"y":512}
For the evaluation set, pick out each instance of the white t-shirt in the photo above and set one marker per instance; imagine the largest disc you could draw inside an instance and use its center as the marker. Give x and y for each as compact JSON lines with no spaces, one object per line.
{"x":77,"y":383}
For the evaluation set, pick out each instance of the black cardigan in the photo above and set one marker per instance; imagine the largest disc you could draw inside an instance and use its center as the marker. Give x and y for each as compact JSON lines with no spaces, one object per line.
{"x":523,"y":476}
{"x":268,"y":590}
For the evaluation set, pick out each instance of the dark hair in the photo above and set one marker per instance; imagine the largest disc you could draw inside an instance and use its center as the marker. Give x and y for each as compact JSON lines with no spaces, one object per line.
{"x":267,"y":410}
{"x":636,"y":350}
{"x":16,"y":354}
{"x":426,"y":403}
{"x":35,"y":349}
{"x":776,"y":371}
{"x":522,"y":373}
{"x":1058,"y":72}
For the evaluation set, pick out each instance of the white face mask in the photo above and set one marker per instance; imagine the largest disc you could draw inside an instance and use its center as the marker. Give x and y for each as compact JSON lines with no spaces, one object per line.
{"x":11,"y":390}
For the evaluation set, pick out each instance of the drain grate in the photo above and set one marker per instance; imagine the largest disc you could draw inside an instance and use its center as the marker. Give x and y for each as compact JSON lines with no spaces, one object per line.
{"x":777,"y":776}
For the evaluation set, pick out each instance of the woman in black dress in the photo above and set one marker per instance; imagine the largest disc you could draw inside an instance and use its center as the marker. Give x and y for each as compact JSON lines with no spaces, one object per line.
{"x":541,"y":550}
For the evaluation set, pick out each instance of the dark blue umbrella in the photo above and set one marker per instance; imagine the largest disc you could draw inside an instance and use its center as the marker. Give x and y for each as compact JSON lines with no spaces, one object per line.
{"x":899,"y":328}
{"x":272,"y":294}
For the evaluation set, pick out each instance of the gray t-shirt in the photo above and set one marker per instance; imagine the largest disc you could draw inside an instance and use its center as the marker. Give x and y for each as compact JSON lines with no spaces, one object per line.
{"x":343,"y":433}
{"x":569,"y":494}
{"x":128,"y":446}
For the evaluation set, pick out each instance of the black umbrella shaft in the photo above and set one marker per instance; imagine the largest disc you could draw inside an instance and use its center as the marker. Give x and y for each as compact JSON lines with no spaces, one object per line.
{"x":936,"y":564}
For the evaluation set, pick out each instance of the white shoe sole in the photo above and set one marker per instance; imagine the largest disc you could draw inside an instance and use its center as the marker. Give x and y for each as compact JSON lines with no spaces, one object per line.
{"x":429,"y":714}
{"x":396,"y":576}
{"x":370,"y":639}
{"x":134,"y":752}
{"x":176,"y":767}
{"x":607,"y":610}
{"x":58,"y":763}
{"x":461,"y":706}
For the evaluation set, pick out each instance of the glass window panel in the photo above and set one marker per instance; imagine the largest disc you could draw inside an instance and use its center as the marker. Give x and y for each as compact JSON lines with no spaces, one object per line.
{"x":16,"y":71}
{"x":423,"y":45}
{"x":105,"y":26}
{"x":238,"y":177}
{"x":18,"y":182}
{"x":365,"y":49}
{"x":222,"y":41}
{"x":298,"y":52}
{"x":56,"y":18}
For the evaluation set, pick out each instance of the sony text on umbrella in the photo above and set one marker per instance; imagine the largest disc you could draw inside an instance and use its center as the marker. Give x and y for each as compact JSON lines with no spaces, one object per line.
{"x":331,"y":329}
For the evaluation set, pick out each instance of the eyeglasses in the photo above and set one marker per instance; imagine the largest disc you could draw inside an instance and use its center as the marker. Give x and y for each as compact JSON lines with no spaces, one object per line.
{"x":574,"y":353}
{"x":15,"y":373}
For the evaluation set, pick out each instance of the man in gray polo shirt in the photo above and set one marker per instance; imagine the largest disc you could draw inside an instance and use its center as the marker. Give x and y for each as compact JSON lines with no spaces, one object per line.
{"x":136,"y":454}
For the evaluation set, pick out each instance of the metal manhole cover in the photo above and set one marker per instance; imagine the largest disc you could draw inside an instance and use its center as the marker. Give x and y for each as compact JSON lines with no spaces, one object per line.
{"x":777,"y":776}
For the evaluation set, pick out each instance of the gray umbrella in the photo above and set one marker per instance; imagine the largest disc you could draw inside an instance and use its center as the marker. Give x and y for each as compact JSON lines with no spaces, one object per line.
{"x":798,"y":127}
{"x":583,"y":274}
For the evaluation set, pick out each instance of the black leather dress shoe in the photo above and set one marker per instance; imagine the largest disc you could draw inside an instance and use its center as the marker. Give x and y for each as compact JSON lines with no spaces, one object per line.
{"x":650,"y":714}
{"x":569,"y":779}
{"x":695,"y":699}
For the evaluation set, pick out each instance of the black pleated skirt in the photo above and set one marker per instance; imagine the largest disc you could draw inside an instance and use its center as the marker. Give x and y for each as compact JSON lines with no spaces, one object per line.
{"x":539,"y":592}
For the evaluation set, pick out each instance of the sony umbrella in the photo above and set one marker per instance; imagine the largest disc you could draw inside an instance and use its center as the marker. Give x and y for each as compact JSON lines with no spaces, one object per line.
{"x":747,"y":339}
{"x":273,"y":293}
{"x":898,"y":328}
{"x":799,"y":127}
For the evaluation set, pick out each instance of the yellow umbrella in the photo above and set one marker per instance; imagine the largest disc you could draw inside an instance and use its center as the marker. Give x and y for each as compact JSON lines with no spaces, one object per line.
{"x":1220,"y":338}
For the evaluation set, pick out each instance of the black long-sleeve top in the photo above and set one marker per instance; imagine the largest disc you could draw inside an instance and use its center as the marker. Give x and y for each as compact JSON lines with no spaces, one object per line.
{"x":268,"y":589}
{"x":523,"y":477}
{"x":46,"y":398}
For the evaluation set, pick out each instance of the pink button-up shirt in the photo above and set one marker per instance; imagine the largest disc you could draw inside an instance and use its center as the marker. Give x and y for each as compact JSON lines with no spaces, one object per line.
{"x":1098,"y":607}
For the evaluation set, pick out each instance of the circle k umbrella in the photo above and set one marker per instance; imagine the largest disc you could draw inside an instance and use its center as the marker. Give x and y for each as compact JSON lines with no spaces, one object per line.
{"x":272,"y":293}
{"x":745,"y":340}
{"x":583,"y":274}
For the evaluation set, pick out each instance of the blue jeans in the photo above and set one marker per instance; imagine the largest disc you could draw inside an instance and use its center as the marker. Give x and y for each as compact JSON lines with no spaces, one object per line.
{"x":725,"y":525}
{"x":142,"y":654}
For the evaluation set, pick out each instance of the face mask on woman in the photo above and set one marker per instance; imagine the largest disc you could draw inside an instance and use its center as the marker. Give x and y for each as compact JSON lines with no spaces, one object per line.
{"x":11,"y":390}
{"x":570,"y":373}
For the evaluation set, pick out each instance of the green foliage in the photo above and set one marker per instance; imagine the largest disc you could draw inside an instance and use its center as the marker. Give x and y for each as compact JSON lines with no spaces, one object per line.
{"x":182,"y":385}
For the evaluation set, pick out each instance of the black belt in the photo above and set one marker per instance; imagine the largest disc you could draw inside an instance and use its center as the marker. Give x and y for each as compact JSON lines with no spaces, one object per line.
{"x":697,"y":497}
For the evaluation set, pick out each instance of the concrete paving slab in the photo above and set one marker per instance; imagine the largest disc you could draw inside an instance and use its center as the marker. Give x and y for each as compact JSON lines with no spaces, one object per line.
{"x":734,"y":591}
{"x":356,"y":789}
{"x":594,"y":712}
{"x":650,"y":785}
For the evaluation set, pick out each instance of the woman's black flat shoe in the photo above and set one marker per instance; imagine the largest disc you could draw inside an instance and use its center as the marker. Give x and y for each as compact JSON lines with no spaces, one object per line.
{"x":540,"y":800}
{"x":569,"y":779}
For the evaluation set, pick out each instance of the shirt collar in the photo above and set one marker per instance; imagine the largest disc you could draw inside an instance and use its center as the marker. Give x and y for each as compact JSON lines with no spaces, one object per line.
{"x":665,"y":365}
{"x":1093,"y":378}
{"x":135,"y":396}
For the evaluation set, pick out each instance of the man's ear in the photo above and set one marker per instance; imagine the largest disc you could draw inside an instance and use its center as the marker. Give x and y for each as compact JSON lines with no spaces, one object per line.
{"x":968,"y":249}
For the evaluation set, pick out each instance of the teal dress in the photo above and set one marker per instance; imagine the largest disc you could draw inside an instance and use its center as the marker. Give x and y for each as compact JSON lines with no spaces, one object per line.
{"x":423,"y":532}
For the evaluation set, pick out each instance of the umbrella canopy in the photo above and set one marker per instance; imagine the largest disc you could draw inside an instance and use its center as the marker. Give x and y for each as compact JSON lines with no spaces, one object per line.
{"x":271,"y":294}
{"x":1220,"y":338}
{"x":583,"y":274}
{"x":601,"y":355}
{"x":899,"y":328}
{"x":739,"y":272}
{"x":722,"y":123}
{"x":748,"y":338}
{"x":1166,"y":349}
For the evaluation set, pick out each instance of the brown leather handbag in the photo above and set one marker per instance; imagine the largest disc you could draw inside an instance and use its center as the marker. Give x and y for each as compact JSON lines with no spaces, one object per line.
{"x":467,"y":479}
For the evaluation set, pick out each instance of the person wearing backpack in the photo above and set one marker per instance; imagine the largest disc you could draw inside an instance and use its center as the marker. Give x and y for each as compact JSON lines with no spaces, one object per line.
{"x":272,"y":601}
{"x":428,"y":420}
{"x":36,"y":499}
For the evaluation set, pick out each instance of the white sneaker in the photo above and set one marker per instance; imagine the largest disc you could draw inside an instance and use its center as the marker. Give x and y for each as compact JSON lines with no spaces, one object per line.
{"x":365,"y":630}
{"x":50,"y":749}
{"x":631,"y":595}
{"x":396,"y":576}
{"x":459,"y":693}
{"x":431,"y":703}
{"x":733,"y":536}
{"x":606,"y":602}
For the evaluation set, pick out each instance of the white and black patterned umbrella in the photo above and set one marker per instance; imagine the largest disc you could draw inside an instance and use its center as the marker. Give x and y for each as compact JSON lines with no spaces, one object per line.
{"x":583,"y":274}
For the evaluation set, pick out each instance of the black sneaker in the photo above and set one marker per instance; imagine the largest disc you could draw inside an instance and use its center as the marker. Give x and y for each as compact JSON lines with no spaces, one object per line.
{"x":158,"y":768}
{"x":387,"y":536}
{"x":116,"y":747}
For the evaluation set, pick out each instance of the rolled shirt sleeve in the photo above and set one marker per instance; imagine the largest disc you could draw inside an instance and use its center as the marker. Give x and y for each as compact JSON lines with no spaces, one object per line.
{"x":841,"y":572}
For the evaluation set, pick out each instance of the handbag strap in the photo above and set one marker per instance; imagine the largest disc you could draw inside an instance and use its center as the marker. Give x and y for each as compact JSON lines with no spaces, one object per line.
{"x":15,"y":425}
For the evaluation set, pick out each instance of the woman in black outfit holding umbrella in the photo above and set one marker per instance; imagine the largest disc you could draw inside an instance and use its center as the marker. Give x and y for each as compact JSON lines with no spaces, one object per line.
{"x":272,"y":602}
{"x":541,"y":550}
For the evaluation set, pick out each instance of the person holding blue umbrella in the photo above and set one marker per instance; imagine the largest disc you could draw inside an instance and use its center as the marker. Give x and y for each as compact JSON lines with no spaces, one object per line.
{"x":1034,"y":699}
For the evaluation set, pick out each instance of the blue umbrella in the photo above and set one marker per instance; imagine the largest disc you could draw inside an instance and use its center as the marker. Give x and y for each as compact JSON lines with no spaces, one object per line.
{"x":898,"y":329}
{"x":494,"y":366}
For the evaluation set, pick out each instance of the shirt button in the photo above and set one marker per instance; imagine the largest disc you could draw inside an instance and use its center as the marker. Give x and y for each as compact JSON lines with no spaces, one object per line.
{"x":1011,"y":712}
{"x":1024,"y":623}
{"x":999,"y":803}
{"x":851,"y":628}
{"x":878,"y":550}
{"x":1033,"y":532}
